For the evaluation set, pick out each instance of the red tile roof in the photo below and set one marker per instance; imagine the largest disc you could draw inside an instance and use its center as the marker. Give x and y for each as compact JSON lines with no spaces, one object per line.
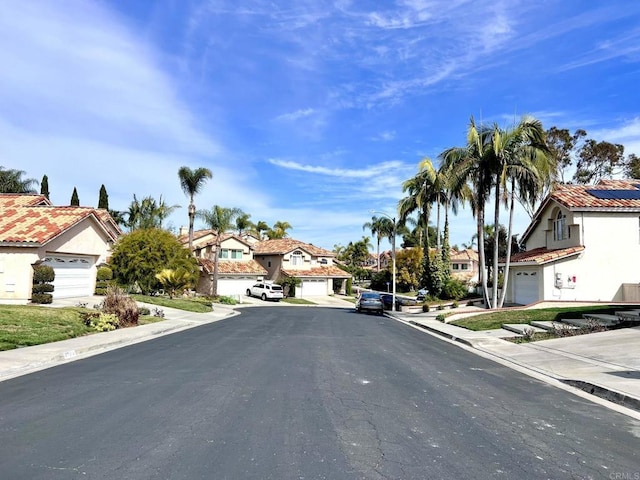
{"x":31,"y":219}
{"x":281,"y":246}
{"x":229,"y":267}
{"x":329,"y":271}
{"x":467,"y":254}
{"x":544,"y":255}
{"x":577,"y":197}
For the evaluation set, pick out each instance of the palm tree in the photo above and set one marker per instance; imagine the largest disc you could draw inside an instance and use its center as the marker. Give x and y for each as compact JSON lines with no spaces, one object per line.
{"x":192,"y":182}
{"x":279,"y":230}
{"x":243,"y":223}
{"x":421,"y":194}
{"x":259,"y":228}
{"x":380,"y":227}
{"x":11,"y":181}
{"x":472,"y":165}
{"x":219,"y":219}
{"x":526,"y":164}
{"x":163,"y":211}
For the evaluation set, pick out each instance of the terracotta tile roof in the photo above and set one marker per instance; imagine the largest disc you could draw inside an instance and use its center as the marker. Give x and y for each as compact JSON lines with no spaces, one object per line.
{"x":285,"y":245}
{"x":543,"y":255}
{"x":577,"y":196}
{"x":329,"y":271}
{"x":229,"y":267}
{"x":467,"y":254}
{"x":34,"y":221}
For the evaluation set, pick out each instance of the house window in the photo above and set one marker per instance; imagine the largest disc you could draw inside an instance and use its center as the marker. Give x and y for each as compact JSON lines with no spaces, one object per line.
{"x":456,"y":266}
{"x":224,"y":253}
{"x":464,"y":266}
{"x":296,"y":258}
{"x":560,"y":228}
{"x":236,"y":254}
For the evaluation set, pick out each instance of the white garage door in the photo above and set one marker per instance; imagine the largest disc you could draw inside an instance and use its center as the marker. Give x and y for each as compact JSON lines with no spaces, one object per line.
{"x":313,"y":287}
{"x":74,"y":276}
{"x":526,"y":287}
{"x":232,"y":286}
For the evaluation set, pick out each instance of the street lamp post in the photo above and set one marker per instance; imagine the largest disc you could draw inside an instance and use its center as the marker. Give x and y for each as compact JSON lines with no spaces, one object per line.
{"x":393,"y":258}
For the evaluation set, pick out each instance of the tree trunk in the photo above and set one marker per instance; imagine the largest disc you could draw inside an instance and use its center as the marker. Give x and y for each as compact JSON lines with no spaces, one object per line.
{"x":192,"y":214}
{"x":481,"y":256}
{"x":214,"y":287}
{"x":496,"y":236}
{"x":378,"y":253}
{"x":438,"y":246}
{"x":508,"y":259}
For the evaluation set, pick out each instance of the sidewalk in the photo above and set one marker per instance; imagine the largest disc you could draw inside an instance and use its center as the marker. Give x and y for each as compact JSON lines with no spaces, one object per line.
{"x":606,"y":364}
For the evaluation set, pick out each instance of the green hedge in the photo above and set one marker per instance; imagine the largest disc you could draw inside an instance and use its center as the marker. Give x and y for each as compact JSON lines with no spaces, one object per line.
{"x":42,"y":288}
{"x":41,"y":298}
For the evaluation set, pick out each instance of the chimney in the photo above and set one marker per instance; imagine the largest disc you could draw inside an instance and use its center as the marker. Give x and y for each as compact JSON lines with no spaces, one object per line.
{"x":184,"y":231}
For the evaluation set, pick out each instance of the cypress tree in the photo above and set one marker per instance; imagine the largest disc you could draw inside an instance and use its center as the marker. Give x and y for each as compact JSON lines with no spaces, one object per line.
{"x":103,"y":201}
{"x":44,"y":187}
{"x":75,"y":201}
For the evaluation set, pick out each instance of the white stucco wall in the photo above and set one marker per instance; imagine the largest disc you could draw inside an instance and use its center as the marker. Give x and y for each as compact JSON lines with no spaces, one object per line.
{"x":16,"y":274}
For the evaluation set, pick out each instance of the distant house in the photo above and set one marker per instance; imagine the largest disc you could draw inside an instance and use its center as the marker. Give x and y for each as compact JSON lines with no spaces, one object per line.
{"x":72,"y":240}
{"x":237,"y":269}
{"x":465,"y":265}
{"x":582,"y":244}
{"x":314,"y":266}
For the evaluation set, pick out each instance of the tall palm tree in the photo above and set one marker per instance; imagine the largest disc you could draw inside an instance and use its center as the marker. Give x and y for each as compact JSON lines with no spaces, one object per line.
{"x":192,"y":182}
{"x":421,"y":193}
{"x":11,"y":181}
{"x":472,"y":165}
{"x":526,"y":166}
{"x":260,"y":228}
{"x":219,"y":219}
{"x":163,"y":211}
{"x":380,"y":227}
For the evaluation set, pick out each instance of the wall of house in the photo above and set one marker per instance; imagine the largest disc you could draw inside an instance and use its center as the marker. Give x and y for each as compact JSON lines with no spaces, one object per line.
{"x":234,"y":244}
{"x":272,"y":264}
{"x":16,"y":274}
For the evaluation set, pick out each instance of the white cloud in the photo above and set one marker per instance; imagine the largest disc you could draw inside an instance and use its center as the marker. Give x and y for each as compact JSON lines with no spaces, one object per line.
{"x":627,"y":134}
{"x":385,"y":136}
{"x":297,"y":115}
{"x":366,"y":172}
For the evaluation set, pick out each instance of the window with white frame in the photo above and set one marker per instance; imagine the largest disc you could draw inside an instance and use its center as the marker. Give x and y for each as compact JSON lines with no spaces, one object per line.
{"x":296,"y":258}
{"x":230,"y":253}
{"x":464,"y":266}
{"x":560,"y":228}
{"x":456,"y":266}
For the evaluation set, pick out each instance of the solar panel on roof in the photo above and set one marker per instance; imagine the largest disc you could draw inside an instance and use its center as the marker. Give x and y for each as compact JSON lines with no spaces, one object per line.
{"x":615,"y":194}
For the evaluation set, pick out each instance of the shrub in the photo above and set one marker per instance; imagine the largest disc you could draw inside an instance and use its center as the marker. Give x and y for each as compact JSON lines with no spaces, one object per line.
{"x":349,"y":286}
{"x":42,"y":288}
{"x":454,"y":304}
{"x":440,"y":306}
{"x":101,"y":322}
{"x":104,"y":274}
{"x":122,"y":306}
{"x":43,"y":274}
{"x":224,"y":300}
{"x":440,"y":318}
{"x":144,"y":311}
{"x":454,"y":289}
{"x":41,"y":298}
{"x":425,"y":307}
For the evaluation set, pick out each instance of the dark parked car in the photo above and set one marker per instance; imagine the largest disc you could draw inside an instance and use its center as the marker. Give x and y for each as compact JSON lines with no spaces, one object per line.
{"x":369,"y":302}
{"x":387,"y":301}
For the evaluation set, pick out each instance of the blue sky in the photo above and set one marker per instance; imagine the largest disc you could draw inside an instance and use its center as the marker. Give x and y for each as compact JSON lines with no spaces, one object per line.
{"x":313,"y":112}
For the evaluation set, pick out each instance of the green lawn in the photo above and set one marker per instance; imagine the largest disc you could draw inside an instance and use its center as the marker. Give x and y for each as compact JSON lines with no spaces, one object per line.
{"x":197,"y":305}
{"x":25,"y":325}
{"x":493,"y":320}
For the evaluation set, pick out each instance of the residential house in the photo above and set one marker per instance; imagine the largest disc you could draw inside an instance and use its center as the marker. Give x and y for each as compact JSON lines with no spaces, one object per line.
{"x":314,"y":266}
{"x":72,"y":240}
{"x":582,"y":244}
{"x":465,"y":266}
{"x":237,"y":269}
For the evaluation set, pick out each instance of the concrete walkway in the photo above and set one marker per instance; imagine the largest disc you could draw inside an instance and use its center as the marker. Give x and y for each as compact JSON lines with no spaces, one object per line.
{"x":605,"y":364}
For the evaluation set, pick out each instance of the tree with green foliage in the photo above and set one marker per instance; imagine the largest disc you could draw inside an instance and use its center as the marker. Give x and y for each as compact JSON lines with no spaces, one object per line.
{"x":243,"y":223}
{"x":260,"y":229}
{"x":408,"y":264}
{"x":632,"y":168}
{"x":598,"y":160}
{"x":381,"y":227}
{"x":103,"y":200}
{"x":139,"y":255}
{"x":148,"y":213}
{"x":11,"y":181}
{"x":75,"y":201}
{"x":219,"y":219}
{"x":279,"y":230}
{"x":174,"y":282}
{"x":192,"y":182}
{"x":44,"y":187}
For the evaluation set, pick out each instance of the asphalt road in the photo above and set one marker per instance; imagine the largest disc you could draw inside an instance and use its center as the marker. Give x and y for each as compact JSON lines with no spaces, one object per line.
{"x":304,"y":393}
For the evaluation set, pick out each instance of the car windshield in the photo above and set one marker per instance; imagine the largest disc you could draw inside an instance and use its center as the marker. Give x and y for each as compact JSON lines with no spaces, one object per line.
{"x":371,"y":296}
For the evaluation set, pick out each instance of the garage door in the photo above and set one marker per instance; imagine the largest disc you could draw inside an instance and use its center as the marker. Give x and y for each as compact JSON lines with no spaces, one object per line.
{"x":232,"y":286}
{"x":74,"y":276}
{"x":526,"y":287}
{"x":313,"y":287}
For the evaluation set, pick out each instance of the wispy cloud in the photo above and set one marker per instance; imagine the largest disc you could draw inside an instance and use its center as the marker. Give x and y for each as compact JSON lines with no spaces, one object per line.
{"x":297,"y":115}
{"x":385,"y":136}
{"x":366,"y":172}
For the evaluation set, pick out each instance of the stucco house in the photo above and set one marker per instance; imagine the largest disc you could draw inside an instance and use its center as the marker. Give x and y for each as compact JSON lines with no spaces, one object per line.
{"x":465,"y":265}
{"x":582,"y":244}
{"x":314,"y":266}
{"x":72,"y":240}
{"x":237,"y":269}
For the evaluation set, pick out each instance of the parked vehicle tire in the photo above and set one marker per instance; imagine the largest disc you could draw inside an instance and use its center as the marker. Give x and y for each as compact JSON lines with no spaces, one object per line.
{"x":264,"y":297}
{"x":248,"y":292}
